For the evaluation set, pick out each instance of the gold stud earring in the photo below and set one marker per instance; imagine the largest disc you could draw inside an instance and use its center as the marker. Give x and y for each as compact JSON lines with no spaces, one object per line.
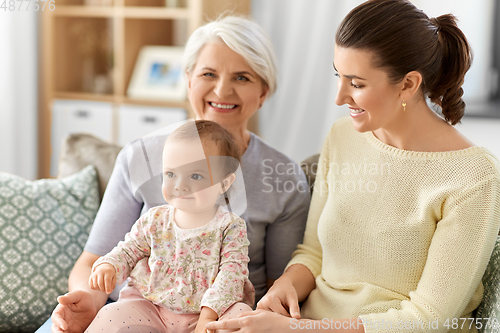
{"x":404,"y":106}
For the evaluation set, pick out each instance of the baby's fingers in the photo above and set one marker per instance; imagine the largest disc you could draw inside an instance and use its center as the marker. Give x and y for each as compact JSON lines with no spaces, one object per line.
{"x":103,"y":278}
{"x":101,"y":282}
{"x":93,"y":282}
{"x":110,"y":282}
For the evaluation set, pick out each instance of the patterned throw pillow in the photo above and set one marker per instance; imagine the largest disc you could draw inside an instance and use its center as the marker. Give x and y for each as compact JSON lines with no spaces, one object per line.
{"x":44,"y":225}
{"x":489,"y":309}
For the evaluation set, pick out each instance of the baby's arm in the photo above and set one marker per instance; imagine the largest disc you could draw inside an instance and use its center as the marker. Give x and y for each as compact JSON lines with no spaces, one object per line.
{"x":123,"y":258}
{"x":207,"y":315}
{"x":103,"y":278}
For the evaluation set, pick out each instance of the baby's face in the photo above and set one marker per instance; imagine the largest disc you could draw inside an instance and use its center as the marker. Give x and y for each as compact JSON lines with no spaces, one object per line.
{"x":188,"y":184}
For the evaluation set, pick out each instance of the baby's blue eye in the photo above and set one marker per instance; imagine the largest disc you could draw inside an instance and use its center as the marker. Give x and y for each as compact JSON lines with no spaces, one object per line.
{"x":170,"y":174}
{"x":196,"y":176}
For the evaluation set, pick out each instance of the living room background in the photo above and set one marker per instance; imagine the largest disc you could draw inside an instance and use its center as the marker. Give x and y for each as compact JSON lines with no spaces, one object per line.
{"x":294,"y":121}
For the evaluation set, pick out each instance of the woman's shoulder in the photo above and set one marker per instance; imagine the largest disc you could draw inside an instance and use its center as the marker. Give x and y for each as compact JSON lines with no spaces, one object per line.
{"x":342,"y":127}
{"x":343,"y":138}
{"x":451,"y":146}
{"x":483,"y":163}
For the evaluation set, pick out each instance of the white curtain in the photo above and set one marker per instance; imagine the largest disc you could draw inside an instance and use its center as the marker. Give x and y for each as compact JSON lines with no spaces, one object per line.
{"x":297,"y":119}
{"x":18,"y":93}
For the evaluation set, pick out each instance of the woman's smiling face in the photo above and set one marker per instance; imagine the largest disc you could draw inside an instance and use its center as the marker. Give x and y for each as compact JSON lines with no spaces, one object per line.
{"x":374,"y":101}
{"x":224,"y":88}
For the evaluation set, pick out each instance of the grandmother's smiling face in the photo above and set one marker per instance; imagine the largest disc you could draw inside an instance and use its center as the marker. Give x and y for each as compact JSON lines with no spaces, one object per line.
{"x":224,"y":88}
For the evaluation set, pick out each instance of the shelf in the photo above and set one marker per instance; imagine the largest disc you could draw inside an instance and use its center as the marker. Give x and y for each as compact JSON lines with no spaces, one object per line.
{"x":89,"y":50}
{"x":125,"y":3}
{"x":125,"y":12}
{"x":154,"y":3}
{"x":85,"y":96}
{"x":154,"y":13}
{"x":126,"y":100}
{"x":84,"y":11}
{"x":70,"y":2}
{"x":143,"y":32}
{"x":119,"y":99}
{"x":83,"y":52}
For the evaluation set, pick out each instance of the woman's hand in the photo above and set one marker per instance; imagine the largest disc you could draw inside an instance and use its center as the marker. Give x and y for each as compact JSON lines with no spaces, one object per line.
{"x":281,"y":298}
{"x":258,"y":321}
{"x":103,"y":278}
{"x":74,"y":313}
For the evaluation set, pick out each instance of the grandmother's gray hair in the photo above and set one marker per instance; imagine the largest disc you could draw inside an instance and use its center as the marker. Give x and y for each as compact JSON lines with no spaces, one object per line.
{"x":241,"y":35}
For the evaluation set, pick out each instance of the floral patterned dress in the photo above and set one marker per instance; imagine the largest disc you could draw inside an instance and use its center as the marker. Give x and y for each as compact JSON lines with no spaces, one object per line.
{"x":185,"y":269}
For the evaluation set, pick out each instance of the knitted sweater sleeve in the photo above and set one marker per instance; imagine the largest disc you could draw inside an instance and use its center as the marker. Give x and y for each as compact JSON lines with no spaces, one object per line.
{"x":457,"y":258}
{"x":309,"y":253}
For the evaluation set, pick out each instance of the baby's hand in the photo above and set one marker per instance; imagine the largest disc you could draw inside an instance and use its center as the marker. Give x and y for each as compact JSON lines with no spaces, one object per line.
{"x":206,"y":315}
{"x":200,"y":326}
{"x":103,"y":278}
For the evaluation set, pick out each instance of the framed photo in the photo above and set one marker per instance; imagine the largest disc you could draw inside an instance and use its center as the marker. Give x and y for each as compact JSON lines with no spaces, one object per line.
{"x":158,"y":74}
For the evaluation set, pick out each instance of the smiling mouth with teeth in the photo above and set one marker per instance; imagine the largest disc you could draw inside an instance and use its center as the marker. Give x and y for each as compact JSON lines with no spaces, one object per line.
{"x":356,"y":111}
{"x":223,"y":106}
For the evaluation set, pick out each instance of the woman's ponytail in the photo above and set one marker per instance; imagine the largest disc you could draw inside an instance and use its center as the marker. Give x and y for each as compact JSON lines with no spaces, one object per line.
{"x":456,"y":60}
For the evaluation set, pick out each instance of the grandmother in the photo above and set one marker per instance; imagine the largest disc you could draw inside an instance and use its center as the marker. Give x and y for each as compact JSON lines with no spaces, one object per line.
{"x":231,"y":71}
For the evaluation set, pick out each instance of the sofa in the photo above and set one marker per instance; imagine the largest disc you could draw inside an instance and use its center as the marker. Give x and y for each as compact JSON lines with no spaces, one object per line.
{"x":44,"y":225}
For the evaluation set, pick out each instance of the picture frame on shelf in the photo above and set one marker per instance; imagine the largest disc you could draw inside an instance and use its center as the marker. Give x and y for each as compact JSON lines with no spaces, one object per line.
{"x":158,"y":74}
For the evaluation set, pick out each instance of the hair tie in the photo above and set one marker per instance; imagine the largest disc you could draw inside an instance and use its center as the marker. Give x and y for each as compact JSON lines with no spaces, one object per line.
{"x":436,"y":24}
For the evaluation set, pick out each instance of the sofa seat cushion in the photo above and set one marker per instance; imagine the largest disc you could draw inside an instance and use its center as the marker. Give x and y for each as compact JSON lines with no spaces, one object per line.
{"x":44,"y":225}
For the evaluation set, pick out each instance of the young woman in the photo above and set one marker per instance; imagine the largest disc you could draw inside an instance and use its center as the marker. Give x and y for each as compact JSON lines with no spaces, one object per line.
{"x":405,"y":210}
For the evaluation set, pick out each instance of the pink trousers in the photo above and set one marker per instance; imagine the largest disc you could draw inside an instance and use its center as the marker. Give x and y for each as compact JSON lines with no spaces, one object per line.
{"x":132,"y":313}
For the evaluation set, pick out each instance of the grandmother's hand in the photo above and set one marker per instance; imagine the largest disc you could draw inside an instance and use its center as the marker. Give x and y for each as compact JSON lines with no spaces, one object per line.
{"x":74,"y":313}
{"x":281,"y":298}
{"x":258,"y":321}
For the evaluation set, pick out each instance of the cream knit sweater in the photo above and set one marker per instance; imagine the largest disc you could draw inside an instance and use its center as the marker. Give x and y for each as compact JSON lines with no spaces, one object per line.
{"x":396,"y":237}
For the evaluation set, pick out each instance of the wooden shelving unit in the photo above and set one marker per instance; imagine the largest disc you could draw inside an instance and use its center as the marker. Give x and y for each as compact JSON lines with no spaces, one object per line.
{"x":108,"y":39}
